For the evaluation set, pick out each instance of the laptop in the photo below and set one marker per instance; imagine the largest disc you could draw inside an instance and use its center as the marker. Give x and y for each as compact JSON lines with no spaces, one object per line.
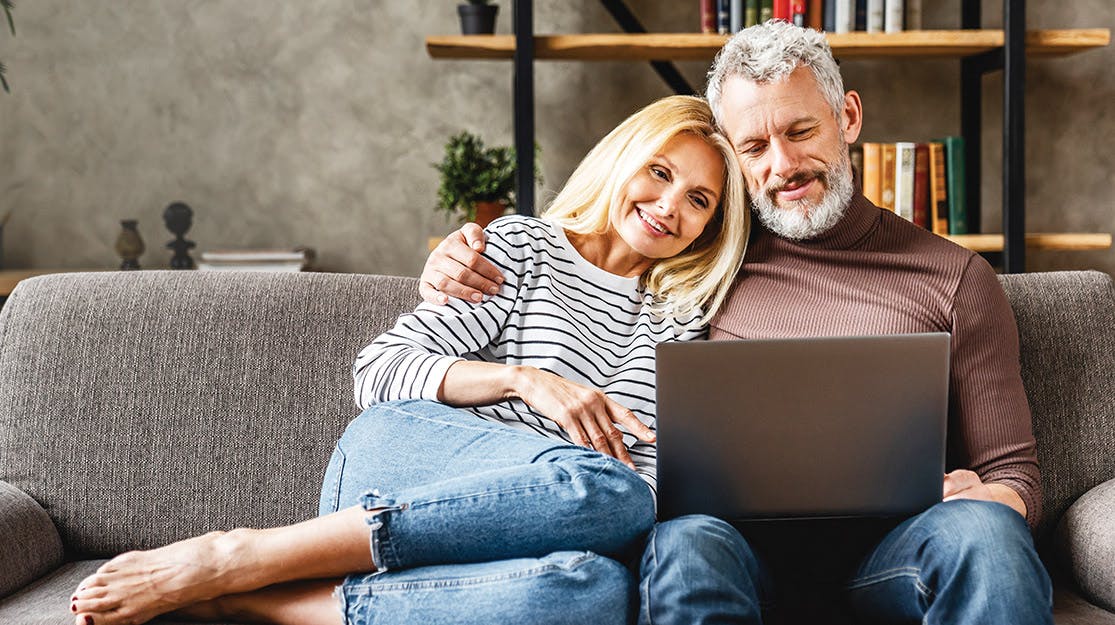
{"x":802,"y":428}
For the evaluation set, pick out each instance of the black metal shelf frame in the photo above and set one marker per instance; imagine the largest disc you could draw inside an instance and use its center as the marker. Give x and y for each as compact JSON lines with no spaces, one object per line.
{"x":1011,"y":59}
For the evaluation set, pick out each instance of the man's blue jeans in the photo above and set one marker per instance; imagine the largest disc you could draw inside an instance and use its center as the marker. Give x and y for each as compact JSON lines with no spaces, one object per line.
{"x":481,"y":523}
{"x":958,"y":562}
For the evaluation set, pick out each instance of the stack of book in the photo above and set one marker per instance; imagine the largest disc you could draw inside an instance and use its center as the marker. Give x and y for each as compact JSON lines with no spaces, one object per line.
{"x":834,"y":16}
{"x":923,"y":182}
{"x":298,"y":259}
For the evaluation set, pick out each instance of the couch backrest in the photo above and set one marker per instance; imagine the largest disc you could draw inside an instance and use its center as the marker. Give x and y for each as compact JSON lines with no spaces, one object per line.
{"x":144,"y":407}
{"x":1066,"y":325}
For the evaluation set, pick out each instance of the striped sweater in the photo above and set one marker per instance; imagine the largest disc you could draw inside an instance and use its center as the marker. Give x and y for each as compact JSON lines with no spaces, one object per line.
{"x":555,"y":311}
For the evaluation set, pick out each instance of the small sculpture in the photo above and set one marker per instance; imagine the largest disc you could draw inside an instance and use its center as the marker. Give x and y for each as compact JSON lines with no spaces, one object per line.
{"x":129,"y":245}
{"x":178,"y":218}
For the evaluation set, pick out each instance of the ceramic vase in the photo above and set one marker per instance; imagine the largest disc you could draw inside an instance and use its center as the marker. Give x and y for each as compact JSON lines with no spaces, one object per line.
{"x":129,"y":245}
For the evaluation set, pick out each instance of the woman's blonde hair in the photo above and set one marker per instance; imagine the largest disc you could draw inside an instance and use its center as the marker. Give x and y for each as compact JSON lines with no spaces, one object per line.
{"x":699,"y":278}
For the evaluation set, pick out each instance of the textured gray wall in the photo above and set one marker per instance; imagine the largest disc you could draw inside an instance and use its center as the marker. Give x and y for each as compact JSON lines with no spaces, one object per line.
{"x":315,"y":123}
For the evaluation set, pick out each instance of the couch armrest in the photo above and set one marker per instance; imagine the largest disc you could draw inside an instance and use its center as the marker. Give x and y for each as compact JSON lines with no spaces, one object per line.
{"x":1086,"y":537}
{"x":29,"y":544}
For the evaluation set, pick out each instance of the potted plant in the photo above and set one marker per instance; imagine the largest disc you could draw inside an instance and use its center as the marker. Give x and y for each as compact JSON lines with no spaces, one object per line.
{"x":478,"y":17}
{"x":477,"y":183}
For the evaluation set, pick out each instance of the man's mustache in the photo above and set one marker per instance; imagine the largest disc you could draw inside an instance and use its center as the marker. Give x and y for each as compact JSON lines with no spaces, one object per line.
{"x":798,"y":178}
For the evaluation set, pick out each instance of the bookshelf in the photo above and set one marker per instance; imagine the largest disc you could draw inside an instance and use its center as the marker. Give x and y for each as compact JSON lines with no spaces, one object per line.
{"x":979,"y":51}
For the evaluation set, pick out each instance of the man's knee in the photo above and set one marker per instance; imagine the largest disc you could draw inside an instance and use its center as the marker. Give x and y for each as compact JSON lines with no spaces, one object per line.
{"x":701,"y":541}
{"x":970,"y":525}
{"x":988,"y":541}
{"x":695,"y":566}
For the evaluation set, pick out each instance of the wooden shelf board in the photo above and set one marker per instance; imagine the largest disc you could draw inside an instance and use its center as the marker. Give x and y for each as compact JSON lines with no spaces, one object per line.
{"x":1036,"y":241}
{"x":698,"y":47}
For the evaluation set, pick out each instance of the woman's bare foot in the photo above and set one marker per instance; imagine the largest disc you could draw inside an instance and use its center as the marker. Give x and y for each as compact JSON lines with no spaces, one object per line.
{"x":137,"y":586}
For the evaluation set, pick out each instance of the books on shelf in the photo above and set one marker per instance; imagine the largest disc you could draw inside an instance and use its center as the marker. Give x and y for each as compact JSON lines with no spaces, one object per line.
{"x":834,"y":16}
{"x":296,"y":259}
{"x":922,"y":182}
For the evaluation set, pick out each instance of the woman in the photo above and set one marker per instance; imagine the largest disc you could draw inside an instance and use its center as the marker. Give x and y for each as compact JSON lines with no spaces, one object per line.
{"x":439,"y":515}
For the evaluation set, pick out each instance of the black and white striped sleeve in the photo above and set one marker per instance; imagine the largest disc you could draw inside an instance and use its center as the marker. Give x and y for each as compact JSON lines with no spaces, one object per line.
{"x":410,"y":360}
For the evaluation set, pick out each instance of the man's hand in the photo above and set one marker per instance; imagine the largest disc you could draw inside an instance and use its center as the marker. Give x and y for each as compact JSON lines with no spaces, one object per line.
{"x":456,"y":268}
{"x":586,"y":414}
{"x":964,"y":484}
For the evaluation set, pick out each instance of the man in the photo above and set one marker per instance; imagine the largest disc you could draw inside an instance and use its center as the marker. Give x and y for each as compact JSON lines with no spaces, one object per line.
{"x":825,"y":261}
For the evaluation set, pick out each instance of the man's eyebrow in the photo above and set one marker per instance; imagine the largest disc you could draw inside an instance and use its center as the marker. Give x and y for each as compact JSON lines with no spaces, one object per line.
{"x":805,"y":119}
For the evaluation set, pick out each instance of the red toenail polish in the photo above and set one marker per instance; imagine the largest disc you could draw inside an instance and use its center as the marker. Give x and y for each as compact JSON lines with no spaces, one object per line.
{"x":73,"y":608}
{"x":88,"y":620}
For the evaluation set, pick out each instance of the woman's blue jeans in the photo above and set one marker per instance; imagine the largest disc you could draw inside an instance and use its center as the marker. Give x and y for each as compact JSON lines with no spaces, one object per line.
{"x":481,"y":523}
{"x":959,"y":562}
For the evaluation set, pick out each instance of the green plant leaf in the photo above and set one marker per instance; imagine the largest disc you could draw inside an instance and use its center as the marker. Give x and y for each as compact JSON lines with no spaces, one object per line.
{"x":8,"y":6}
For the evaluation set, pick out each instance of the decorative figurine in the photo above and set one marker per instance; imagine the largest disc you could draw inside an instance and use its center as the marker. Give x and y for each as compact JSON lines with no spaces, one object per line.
{"x":129,"y":245}
{"x":178,"y":218}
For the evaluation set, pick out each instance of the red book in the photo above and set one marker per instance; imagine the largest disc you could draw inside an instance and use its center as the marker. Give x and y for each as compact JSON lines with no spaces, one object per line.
{"x":921,"y":185}
{"x":708,"y":16}
{"x":782,"y":9}
{"x":797,"y":12}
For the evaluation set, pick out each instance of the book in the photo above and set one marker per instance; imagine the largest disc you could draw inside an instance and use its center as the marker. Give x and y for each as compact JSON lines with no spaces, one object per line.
{"x":815,"y":15}
{"x":875,"y":16}
{"x":886,"y":177}
{"x":921,"y":185}
{"x":859,"y":17}
{"x":708,"y":17}
{"x":782,"y":10}
{"x":954,"y":173}
{"x":751,"y":13}
{"x":844,"y":15}
{"x":872,"y":166}
{"x":938,"y":189}
{"x":766,"y":10}
{"x":256,"y":255}
{"x":736,"y":15}
{"x":829,"y":19}
{"x":797,"y":13}
{"x":855,"y":154}
{"x":279,"y":267}
{"x":892,"y":16}
{"x":913,"y":15}
{"x":723,"y":16}
{"x":904,"y":180}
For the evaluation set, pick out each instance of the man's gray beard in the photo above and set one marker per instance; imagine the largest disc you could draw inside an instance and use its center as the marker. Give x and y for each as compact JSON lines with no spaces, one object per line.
{"x":801,"y":220}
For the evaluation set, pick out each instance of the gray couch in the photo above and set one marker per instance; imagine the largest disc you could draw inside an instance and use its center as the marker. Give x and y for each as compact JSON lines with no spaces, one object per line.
{"x":141,"y":408}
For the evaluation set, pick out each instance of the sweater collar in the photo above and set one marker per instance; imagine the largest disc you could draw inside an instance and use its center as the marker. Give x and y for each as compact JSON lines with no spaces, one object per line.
{"x":859,"y":220}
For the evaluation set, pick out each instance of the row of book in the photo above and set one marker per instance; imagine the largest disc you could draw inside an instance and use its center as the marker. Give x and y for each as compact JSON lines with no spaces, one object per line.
{"x":297,"y":259}
{"x":922,"y":182}
{"x":834,"y":16}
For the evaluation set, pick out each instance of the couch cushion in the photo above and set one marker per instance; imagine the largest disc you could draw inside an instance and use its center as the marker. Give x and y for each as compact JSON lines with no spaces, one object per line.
{"x":1066,"y":325}
{"x":29,"y":545}
{"x":1086,"y":536}
{"x":140,"y":408}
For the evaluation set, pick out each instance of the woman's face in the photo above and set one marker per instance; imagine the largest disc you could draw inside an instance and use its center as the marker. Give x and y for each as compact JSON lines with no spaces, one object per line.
{"x":668,"y":202}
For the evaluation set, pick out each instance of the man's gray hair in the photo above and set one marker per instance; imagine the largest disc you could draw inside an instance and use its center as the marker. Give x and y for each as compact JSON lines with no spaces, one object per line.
{"x":769,"y":53}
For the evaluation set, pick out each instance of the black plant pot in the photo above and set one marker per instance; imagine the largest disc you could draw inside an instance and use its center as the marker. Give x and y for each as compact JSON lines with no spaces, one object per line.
{"x":478,"y":19}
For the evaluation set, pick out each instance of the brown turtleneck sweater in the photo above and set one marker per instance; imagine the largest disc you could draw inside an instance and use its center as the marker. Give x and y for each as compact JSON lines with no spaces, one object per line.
{"x":876,"y":273}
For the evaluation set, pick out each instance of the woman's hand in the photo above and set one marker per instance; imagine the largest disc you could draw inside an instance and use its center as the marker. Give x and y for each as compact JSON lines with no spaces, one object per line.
{"x":586,"y":414}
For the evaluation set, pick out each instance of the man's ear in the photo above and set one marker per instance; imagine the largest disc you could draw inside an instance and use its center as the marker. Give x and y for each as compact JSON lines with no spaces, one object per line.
{"x":851,"y":118}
